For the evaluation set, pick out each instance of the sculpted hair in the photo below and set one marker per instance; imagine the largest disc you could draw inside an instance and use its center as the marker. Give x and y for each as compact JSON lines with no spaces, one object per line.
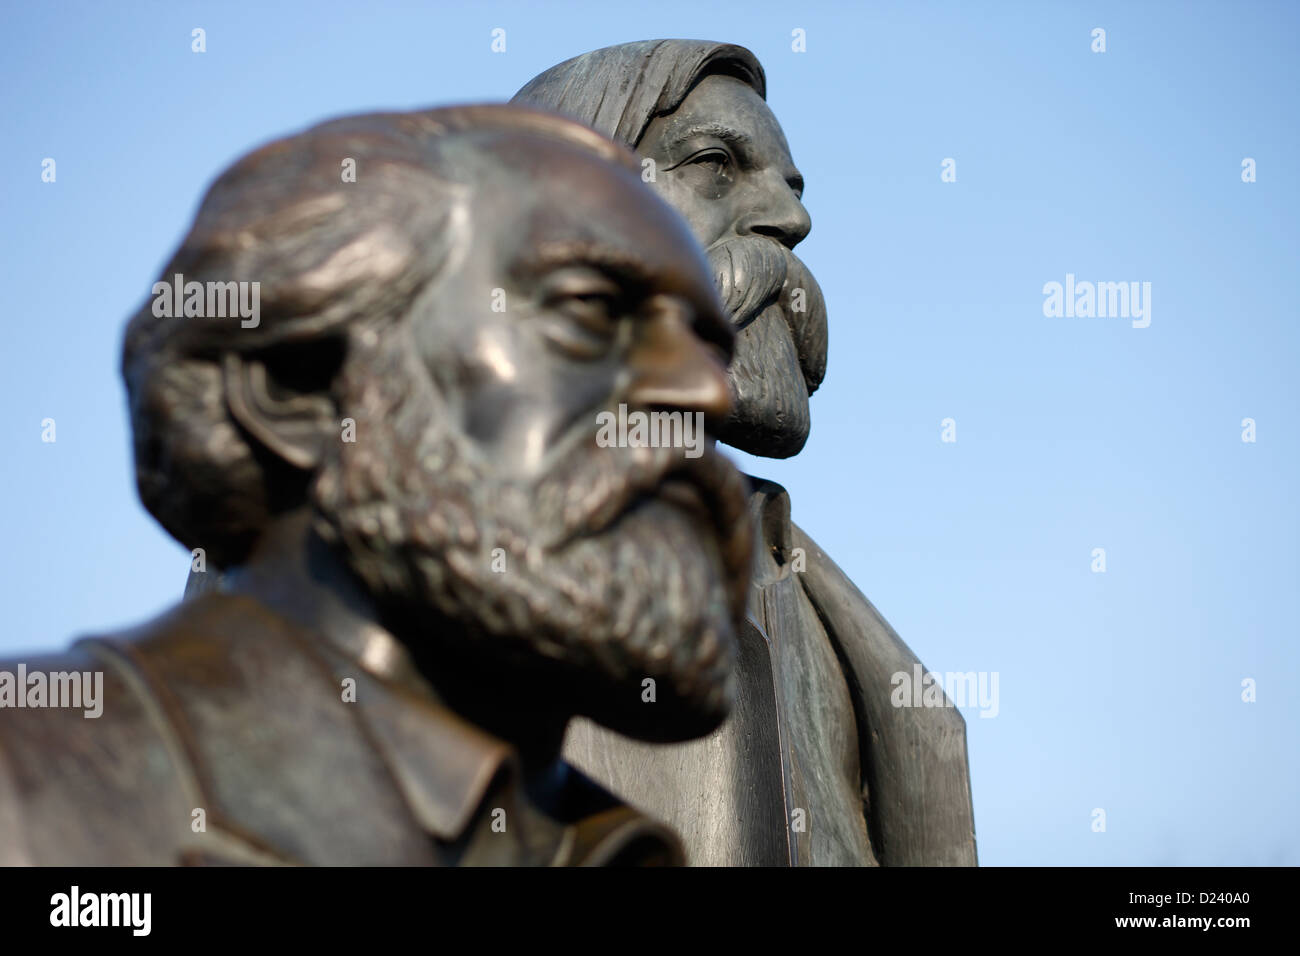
{"x":333,"y":259}
{"x":618,"y":90}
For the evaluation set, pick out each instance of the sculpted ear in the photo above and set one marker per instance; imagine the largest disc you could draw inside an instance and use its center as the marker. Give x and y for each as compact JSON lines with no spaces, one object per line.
{"x":284,"y":403}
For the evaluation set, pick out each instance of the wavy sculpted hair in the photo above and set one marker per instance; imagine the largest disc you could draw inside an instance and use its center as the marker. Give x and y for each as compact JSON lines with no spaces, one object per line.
{"x":333,"y":260}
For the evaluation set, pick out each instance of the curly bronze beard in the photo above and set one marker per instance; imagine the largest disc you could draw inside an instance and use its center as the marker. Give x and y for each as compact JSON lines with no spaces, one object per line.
{"x":780,"y":354}
{"x":605,"y":583}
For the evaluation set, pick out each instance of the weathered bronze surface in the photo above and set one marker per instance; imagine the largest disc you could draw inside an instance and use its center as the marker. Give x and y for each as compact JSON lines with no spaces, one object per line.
{"x":815,"y":765}
{"x":431,"y":566}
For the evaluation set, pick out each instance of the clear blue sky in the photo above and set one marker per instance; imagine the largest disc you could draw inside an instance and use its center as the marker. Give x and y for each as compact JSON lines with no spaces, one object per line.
{"x":1119,"y":690}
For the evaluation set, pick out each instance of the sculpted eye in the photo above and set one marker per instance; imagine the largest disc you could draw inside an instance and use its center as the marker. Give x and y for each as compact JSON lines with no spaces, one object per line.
{"x":715,"y":160}
{"x":710,"y":172}
{"x":594,"y":311}
{"x":581,"y":315}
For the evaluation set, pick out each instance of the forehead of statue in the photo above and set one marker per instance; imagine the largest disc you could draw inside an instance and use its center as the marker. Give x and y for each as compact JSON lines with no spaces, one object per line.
{"x":725,"y":108}
{"x":555,"y":204}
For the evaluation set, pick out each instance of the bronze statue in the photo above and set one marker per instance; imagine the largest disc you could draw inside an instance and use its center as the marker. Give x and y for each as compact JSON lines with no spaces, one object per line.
{"x":432,"y":566}
{"x":815,"y":765}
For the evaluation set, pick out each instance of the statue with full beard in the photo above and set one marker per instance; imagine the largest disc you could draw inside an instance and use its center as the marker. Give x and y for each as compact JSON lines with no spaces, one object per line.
{"x":815,"y":765}
{"x":430,"y":563}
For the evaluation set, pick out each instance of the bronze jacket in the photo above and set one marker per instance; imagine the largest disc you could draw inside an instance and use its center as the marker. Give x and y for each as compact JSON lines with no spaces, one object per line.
{"x":815,"y":765}
{"x":225,"y":738}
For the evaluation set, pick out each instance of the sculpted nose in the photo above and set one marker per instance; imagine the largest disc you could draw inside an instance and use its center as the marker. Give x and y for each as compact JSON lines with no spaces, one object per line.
{"x":778,"y":215}
{"x":673,"y":367}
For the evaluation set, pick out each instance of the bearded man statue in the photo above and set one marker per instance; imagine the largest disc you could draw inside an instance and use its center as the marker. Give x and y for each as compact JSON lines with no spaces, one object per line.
{"x":815,"y":765}
{"x":431,"y":563}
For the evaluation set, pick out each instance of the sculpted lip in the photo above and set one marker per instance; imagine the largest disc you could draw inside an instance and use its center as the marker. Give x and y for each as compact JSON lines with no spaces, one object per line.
{"x":694,"y":493}
{"x":707,"y":489}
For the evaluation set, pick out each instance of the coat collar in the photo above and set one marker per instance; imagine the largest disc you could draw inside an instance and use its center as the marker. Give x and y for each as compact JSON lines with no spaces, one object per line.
{"x":769,"y":510}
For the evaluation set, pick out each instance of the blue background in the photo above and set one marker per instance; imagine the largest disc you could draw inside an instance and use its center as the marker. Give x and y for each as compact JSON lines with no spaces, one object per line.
{"x":1119,"y":691}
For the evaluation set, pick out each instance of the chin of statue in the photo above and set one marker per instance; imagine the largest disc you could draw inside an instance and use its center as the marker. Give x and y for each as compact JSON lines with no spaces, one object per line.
{"x":770,"y":416}
{"x":633,"y":626}
{"x":612,"y":587}
{"x":660,"y":668}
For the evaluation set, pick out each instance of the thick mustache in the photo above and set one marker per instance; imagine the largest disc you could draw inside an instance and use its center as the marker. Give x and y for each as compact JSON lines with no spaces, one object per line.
{"x":749,"y":274}
{"x":752,"y":274}
{"x":605,"y":483}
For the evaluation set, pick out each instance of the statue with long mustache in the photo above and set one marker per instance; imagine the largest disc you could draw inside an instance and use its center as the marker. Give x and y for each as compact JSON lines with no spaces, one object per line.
{"x":430,"y":563}
{"x":815,"y":765}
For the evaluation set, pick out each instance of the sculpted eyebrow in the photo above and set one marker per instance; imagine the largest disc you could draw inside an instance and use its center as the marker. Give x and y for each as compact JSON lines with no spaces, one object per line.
{"x":710,"y":324}
{"x":727,"y":134}
{"x":615,"y":263}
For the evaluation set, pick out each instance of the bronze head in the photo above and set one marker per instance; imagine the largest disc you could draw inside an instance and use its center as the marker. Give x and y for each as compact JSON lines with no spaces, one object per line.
{"x":696,"y":109}
{"x":436,"y":341}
